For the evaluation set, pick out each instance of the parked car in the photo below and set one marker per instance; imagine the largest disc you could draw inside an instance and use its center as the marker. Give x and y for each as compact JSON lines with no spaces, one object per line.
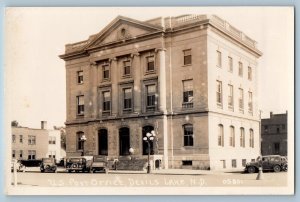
{"x":19,"y":166}
{"x":274,"y":163}
{"x":99,"y":163}
{"x":77,"y":164}
{"x":48,"y":165}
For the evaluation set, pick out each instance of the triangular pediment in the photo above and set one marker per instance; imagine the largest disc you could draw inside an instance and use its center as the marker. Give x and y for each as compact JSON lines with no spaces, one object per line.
{"x":122,"y":28}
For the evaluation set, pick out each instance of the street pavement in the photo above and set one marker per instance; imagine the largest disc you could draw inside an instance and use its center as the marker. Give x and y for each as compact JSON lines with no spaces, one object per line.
{"x":171,"y":177}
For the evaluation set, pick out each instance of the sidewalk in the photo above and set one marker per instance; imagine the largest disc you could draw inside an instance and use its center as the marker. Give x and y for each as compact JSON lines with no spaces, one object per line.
{"x":179,"y":172}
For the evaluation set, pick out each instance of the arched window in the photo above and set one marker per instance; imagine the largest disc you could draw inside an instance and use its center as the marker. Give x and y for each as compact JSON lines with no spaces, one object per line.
{"x":78,"y":139}
{"x":188,"y":135}
{"x":147,"y":129}
{"x":221,"y":135}
{"x":242,"y":137}
{"x":251,"y":140}
{"x":232,"y":137}
{"x":102,"y":142}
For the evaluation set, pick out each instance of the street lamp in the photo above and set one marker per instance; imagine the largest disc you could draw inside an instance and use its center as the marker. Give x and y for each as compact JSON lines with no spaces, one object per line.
{"x":148,"y":138}
{"x":83,"y":139}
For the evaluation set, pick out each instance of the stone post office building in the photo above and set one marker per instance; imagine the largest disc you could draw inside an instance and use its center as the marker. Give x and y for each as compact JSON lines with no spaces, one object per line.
{"x":192,"y":79}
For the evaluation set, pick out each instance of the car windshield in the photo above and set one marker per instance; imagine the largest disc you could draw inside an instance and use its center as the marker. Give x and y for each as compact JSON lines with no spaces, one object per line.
{"x":75,"y":160}
{"x":47,"y":160}
{"x":99,"y":159}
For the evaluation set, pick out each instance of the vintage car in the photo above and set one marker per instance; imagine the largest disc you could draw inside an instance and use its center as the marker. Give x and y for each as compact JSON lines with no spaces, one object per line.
{"x":99,"y":163}
{"x":77,"y":164}
{"x":274,"y":163}
{"x":48,"y":165}
{"x":18,"y":166}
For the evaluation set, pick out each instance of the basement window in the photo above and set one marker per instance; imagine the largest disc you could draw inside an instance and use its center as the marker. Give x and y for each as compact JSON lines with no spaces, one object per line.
{"x":187,"y":163}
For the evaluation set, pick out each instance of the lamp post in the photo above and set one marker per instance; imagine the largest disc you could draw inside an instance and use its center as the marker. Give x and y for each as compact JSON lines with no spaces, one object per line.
{"x":149,"y":137}
{"x":83,"y":139}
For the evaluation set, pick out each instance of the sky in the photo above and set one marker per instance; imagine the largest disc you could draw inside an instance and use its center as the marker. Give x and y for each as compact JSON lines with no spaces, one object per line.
{"x":34,"y":37}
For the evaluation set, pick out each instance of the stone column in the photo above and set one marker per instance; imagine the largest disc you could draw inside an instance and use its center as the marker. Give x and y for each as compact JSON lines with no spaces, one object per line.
{"x":136,"y":71}
{"x":163,"y":101}
{"x":93,"y":105}
{"x":114,"y":73}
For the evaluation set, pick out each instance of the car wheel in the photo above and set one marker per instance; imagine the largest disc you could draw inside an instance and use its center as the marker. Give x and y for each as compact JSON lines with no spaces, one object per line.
{"x":42,"y":171}
{"x":276,"y":168}
{"x":251,"y":169}
{"x":69,"y":171}
{"x":76,"y":171}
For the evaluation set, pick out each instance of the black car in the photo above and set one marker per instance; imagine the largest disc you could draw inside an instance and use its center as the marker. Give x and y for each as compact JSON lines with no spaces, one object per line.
{"x":48,"y":165}
{"x":77,"y":164}
{"x":99,"y":163}
{"x":274,"y":163}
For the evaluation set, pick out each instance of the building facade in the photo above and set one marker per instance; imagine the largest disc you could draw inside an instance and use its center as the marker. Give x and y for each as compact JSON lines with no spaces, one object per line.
{"x":192,"y":79}
{"x":274,"y":135}
{"x":31,"y":143}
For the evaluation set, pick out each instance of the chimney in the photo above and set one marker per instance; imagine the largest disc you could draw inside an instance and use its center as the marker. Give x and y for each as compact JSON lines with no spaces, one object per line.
{"x":271,"y":114}
{"x":43,"y":124}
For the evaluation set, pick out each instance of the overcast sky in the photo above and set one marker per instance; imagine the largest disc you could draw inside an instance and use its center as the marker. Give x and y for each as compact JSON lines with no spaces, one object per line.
{"x":35,"y":76}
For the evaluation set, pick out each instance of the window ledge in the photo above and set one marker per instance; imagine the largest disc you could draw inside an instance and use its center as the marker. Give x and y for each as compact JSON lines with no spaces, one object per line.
{"x":150,"y":72}
{"x":186,"y":65}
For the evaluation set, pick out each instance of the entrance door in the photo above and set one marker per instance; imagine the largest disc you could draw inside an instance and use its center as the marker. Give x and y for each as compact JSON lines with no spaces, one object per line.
{"x":124,"y":141}
{"x":102,"y":142}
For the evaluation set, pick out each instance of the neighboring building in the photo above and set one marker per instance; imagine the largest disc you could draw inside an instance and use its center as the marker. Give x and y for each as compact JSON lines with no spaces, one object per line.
{"x":31,"y":143}
{"x":274,"y":135}
{"x":192,"y":79}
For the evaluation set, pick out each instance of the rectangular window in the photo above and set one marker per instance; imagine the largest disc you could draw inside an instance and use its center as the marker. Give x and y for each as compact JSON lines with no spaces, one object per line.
{"x":219,"y":59}
{"x":21,"y":154}
{"x":240,"y":69}
{"x":233,"y":163}
{"x":250,"y":103}
{"x":151,"y":91}
{"x":249,"y":73}
{"x":244,"y":161}
{"x":13,"y":154}
{"x":127,"y":98}
{"x":80,"y":77}
{"x":230,"y":97}
{"x":31,"y":140}
{"x":188,"y":96}
{"x":241,"y":100}
{"x":31,"y":154}
{"x":187,"y":57}
{"x":187,"y":163}
{"x":230,"y":64}
{"x":276,"y":147}
{"x":80,"y":105}
{"x":52,"y":154}
{"x":52,"y":140}
{"x":106,"y":100}
{"x":21,"y":138}
{"x":219,"y":93}
{"x":127,"y":66}
{"x":188,"y":135}
{"x":150,"y":63}
{"x":13,"y":138}
{"x":223,"y":163}
{"x":105,"y":69}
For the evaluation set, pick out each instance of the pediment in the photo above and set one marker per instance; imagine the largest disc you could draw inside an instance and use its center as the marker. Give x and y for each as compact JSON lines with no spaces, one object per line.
{"x":122,"y":28}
